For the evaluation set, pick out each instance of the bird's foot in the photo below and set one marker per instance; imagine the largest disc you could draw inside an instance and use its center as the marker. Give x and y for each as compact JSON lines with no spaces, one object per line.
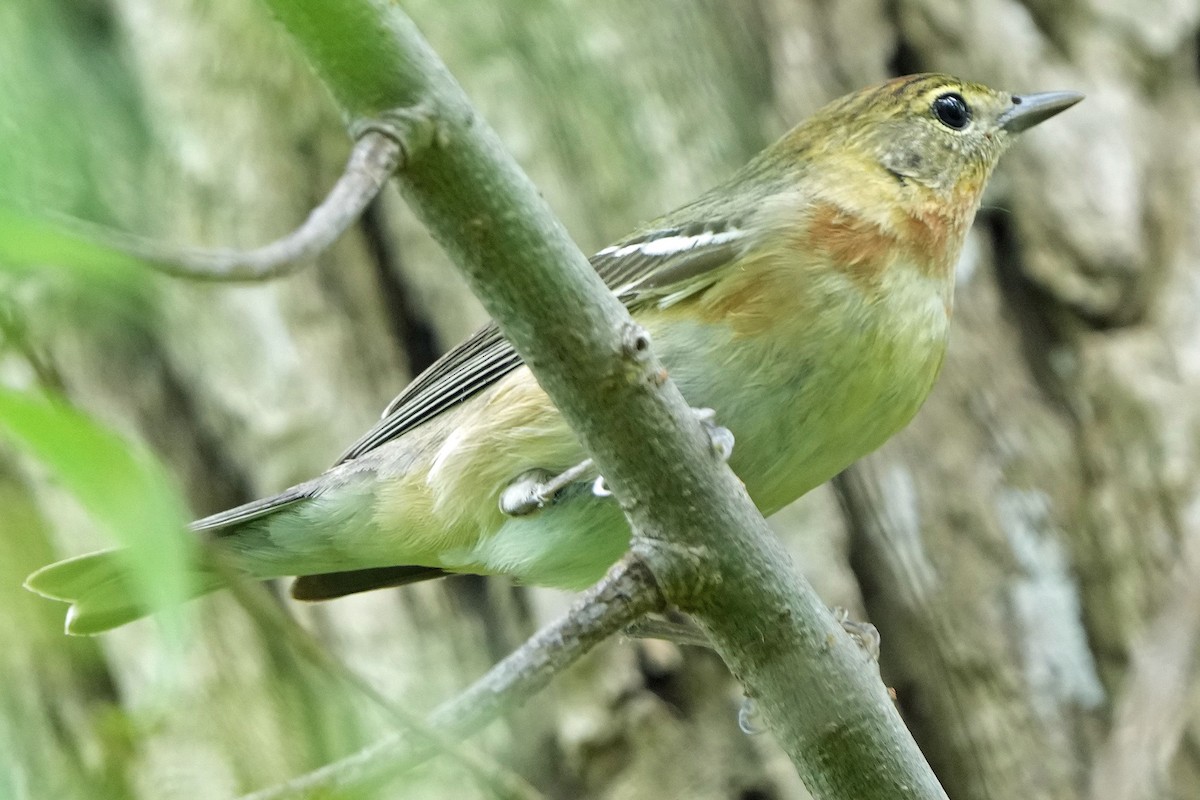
{"x":866,"y":634}
{"x":720,"y":437}
{"x":532,"y":490}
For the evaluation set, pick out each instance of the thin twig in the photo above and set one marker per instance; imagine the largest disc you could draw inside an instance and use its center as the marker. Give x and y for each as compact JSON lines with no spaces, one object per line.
{"x":679,"y":629}
{"x":501,"y":781}
{"x":372,"y":161}
{"x":627,"y":592}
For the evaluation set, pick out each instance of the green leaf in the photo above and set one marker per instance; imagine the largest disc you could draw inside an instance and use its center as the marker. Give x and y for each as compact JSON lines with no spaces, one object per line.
{"x":28,"y":241}
{"x":122,"y":488}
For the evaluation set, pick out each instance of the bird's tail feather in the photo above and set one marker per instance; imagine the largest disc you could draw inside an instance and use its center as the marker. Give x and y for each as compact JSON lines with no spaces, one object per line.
{"x":101,"y":590}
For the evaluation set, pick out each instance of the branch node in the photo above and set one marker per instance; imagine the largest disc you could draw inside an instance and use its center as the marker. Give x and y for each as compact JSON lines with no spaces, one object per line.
{"x":635,"y":342}
{"x":413,"y":128}
{"x":683,"y":572}
{"x":638,"y":358}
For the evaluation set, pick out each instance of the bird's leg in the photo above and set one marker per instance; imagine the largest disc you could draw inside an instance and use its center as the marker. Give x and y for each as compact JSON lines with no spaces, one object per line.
{"x":680,"y":629}
{"x":532,"y":490}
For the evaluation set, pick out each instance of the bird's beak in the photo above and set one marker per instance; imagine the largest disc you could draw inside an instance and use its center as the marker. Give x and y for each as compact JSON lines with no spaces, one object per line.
{"x":1030,"y":109}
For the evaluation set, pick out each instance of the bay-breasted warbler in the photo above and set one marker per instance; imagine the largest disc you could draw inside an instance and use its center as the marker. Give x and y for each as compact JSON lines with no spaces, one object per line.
{"x":806,"y":300}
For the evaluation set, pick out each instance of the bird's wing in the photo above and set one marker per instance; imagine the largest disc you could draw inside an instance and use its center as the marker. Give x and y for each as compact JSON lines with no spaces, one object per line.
{"x":659,"y":266}
{"x":224,"y":521}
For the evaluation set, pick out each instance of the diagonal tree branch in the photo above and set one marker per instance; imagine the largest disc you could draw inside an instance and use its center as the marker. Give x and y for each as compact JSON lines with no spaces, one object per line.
{"x":710,"y":551}
{"x":626,"y":593}
{"x":373,"y":159}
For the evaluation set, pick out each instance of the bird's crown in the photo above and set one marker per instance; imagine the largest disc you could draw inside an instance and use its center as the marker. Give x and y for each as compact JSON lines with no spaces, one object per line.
{"x":931,"y":129}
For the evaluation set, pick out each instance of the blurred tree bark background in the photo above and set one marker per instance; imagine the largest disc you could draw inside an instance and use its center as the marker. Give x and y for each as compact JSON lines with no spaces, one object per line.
{"x":1029,"y":548}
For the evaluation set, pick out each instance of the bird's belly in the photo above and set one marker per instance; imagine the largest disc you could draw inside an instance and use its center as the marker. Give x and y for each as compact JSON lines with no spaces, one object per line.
{"x":807,"y":399}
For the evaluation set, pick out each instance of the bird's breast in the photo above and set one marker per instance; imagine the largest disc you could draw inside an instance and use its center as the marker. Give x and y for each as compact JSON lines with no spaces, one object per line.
{"x":811,"y":371}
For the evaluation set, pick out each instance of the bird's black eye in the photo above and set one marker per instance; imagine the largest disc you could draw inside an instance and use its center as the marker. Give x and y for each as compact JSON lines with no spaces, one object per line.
{"x":952,"y":110}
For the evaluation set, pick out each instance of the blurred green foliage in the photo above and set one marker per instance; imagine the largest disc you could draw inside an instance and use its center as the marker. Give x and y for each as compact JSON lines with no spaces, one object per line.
{"x":70,"y":131}
{"x":125,"y":491}
{"x":70,"y":138}
{"x":91,"y":717}
{"x":70,"y":127}
{"x":73,"y":141}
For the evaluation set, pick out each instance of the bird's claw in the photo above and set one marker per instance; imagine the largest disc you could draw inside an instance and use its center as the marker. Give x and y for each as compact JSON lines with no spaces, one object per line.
{"x":525,"y":495}
{"x":864,"y":633}
{"x":747,"y":718}
{"x":533,"y":490}
{"x":720,"y":438}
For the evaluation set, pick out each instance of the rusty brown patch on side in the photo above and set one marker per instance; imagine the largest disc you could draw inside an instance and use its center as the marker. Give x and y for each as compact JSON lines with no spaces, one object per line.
{"x":928,"y":234}
{"x":934,"y":231}
{"x":856,"y":247}
{"x":754,"y":297}
{"x":771,"y":288}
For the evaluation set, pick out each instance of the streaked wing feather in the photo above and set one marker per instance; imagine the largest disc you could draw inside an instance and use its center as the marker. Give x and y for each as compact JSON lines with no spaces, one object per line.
{"x":660,"y":265}
{"x":480,"y":342}
{"x":471,"y":367}
{"x":253,"y":510}
{"x":667,"y":256}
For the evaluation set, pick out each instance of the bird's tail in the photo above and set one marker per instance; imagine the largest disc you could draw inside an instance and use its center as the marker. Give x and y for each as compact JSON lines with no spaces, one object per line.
{"x":101,"y":590}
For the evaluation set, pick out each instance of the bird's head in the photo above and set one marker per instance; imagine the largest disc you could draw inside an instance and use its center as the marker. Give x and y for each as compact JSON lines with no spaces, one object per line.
{"x":934,"y":130}
{"x":907,"y":159}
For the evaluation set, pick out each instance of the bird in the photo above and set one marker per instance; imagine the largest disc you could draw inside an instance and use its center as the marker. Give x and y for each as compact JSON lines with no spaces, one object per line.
{"x":806,"y":300}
